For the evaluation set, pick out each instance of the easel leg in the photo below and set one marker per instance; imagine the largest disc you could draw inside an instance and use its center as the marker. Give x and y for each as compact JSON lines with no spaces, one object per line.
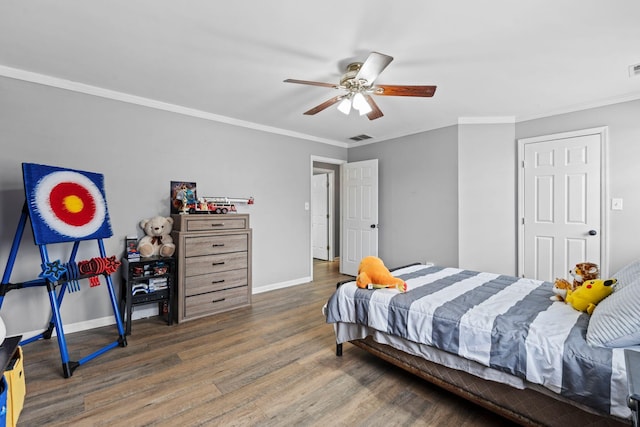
{"x":114,"y":302}
{"x":55,"y":301}
{"x":13,"y":252}
{"x":67,"y":366}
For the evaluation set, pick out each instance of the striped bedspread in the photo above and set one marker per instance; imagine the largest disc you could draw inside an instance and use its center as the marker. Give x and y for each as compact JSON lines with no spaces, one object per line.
{"x":503,"y":322}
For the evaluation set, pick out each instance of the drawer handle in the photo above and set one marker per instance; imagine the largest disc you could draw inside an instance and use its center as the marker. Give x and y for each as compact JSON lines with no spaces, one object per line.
{"x":217,"y":300}
{"x":218,"y":263}
{"x":217,"y":245}
{"x":220,"y":224}
{"x":217,"y":281}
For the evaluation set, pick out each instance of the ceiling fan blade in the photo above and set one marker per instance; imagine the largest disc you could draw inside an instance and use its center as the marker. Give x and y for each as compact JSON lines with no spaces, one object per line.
{"x":324,"y":105}
{"x":307,"y":82}
{"x":373,"y":66}
{"x":375,"y":113}
{"x":399,"y":90}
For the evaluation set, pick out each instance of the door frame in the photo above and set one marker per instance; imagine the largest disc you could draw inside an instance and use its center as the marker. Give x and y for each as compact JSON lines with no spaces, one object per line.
{"x":332,"y":161}
{"x":331,"y":180}
{"x":603,"y":132}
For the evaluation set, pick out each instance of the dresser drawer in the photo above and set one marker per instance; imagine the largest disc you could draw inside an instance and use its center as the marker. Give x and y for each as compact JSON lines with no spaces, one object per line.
{"x":211,"y":223}
{"x":204,"y":304}
{"x":214,"y":244}
{"x":214,"y":282}
{"x":195,"y":266}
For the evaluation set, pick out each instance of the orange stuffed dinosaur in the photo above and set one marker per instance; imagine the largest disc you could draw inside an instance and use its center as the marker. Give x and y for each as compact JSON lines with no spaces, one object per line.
{"x":372,"y":271}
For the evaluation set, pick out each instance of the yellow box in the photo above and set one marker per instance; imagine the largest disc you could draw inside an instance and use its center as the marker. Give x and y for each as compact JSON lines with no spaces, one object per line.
{"x":14,"y":375}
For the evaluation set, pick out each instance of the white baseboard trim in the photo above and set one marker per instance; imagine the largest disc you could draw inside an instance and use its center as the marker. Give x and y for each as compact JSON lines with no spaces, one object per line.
{"x":281,"y":285}
{"x":140,"y":312}
{"x":76,"y":327}
{"x":144,"y":311}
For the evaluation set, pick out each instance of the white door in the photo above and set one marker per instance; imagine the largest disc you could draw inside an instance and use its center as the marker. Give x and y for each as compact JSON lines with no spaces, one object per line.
{"x":562,"y":224}
{"x":320,"y":216}
{"x":359,"y":193}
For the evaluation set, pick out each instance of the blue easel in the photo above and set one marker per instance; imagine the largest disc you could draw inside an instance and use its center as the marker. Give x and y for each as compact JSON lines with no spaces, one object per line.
{"x":65,"y":205}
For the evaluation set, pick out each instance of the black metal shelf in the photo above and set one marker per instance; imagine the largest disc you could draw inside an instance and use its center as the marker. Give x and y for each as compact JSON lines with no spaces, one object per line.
{"x":141,"y":271}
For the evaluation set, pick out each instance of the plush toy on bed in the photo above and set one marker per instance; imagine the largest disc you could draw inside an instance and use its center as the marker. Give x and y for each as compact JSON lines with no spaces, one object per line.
{"x":582,"y":272}
{"x":589,"y":294}
{"x":372,"y":273}
{"x":158,"y":239}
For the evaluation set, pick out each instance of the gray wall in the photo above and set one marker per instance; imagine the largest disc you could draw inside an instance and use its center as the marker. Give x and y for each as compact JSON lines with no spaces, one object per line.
{"x":140,"y":150}
{"x":418,"y":203}
{"x":487,"y":197}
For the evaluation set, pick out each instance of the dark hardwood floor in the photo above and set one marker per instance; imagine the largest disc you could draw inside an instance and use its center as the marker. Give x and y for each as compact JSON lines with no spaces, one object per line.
{"x":272,"y":364}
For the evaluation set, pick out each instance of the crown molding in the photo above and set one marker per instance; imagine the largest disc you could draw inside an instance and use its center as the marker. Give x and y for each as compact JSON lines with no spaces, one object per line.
{"x":486,"y":120}
{"x":58,"y":83}
{"x":582,"y":107}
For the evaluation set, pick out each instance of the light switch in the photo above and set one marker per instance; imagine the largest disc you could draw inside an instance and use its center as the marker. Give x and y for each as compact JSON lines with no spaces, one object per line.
{"x":306,"y":206}
{"x":616,"y":204}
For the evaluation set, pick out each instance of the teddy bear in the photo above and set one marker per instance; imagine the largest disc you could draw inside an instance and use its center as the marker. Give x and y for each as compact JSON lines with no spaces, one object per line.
{"x":585,"y":297}
{"x":157,"y":239}
{"x":582,"y":272}
{"x":372,"y":273}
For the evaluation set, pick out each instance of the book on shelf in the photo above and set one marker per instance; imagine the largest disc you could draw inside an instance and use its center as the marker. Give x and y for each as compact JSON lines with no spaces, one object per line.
{"x":131,"y":248}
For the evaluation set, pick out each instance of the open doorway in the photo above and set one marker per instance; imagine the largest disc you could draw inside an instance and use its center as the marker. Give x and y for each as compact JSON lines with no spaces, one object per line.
{"x":330,"y":168}
{"x":322,"y":214}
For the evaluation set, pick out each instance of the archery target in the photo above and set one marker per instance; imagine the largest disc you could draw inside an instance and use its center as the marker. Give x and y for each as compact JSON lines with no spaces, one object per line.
{"x":65,"y":205}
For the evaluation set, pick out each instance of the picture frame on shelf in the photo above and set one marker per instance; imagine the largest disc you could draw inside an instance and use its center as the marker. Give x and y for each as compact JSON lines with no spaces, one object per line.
{"x":183,"y":195}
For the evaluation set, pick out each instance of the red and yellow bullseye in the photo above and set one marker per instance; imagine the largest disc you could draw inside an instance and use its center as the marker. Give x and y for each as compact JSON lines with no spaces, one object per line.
{"x":70,"y":203}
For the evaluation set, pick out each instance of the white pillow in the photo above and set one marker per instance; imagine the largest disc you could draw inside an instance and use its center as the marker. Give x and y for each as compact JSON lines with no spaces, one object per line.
{"x":3,"y":330}
{"x":616,"y":320}
{"x":627,"y":274}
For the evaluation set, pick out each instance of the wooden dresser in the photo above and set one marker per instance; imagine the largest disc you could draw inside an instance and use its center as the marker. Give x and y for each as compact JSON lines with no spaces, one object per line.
{"x":214,"y":263}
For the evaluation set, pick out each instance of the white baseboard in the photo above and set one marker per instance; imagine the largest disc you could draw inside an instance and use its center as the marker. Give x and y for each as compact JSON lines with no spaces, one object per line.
{"x":139,"y":312}
{"x":75,"y":327}
{"x":281,"y":285}
{"x":144,"y":311}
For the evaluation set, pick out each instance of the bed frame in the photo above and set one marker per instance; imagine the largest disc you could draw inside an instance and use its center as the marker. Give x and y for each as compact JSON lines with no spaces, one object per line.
{"x":527,"y":407}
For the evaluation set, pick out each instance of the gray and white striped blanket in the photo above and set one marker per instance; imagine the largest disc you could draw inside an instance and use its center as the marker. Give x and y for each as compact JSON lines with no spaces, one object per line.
{"x":503,"y":322}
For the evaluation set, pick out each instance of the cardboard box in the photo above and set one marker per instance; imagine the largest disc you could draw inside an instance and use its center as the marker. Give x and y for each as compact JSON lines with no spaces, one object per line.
{"x":14,"y":376}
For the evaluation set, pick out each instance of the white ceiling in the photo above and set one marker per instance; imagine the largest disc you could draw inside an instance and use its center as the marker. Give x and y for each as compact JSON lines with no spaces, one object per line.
{"x":504,"y":59}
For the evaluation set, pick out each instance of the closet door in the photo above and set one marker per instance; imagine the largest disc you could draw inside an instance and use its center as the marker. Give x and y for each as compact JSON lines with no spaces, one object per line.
{"x":562,"y":220}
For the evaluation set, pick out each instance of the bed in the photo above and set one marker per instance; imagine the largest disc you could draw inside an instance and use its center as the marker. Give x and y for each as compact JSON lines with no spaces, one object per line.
{"x":500,"y":341}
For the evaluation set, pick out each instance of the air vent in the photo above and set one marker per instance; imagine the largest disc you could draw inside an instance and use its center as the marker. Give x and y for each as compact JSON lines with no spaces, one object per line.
{"x":360,"y":137}
{"x":634,"y":70}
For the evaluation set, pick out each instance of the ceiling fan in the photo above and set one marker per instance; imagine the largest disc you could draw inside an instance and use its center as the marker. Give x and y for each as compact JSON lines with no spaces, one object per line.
{"x":358,"y":82}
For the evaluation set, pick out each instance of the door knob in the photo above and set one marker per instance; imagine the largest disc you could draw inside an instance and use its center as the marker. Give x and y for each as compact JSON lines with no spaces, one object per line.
{"x":373,"y":225}
{"x":592,"y":232}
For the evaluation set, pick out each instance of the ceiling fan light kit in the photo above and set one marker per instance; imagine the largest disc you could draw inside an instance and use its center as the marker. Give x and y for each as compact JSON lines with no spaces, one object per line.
{"x":358,"y":81}
{"x":345,"y":105}
{"x":360,"y":103}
